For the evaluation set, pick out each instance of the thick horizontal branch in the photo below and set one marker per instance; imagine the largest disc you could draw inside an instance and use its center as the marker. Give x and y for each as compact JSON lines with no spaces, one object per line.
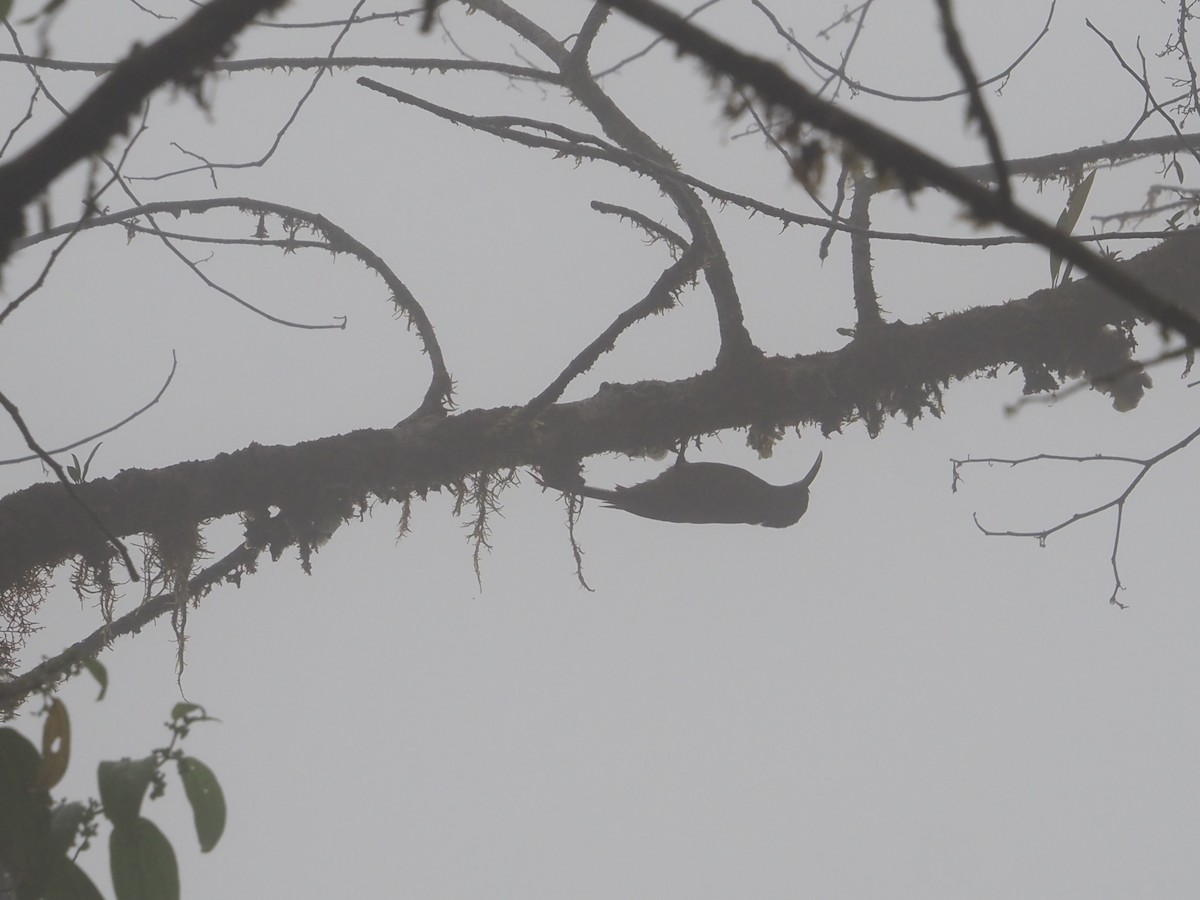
{"x":891,"y":370}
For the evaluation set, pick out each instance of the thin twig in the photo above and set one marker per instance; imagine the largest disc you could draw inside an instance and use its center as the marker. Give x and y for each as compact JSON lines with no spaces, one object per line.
{"x":14,"y":692}
{"x":91,"y":437}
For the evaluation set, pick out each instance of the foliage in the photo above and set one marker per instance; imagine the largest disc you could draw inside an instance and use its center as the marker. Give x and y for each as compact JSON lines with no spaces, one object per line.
{"x":41,"y":838}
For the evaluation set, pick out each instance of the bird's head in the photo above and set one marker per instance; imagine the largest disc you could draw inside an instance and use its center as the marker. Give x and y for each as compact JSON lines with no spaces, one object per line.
{"x":790,"y":501}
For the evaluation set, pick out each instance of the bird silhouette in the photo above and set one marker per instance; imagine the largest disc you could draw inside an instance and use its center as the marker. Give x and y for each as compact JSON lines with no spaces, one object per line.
{"x":708,"y":493}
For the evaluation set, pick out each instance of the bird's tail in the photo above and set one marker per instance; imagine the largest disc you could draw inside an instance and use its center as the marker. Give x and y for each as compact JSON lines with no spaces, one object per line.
{"x":573,"y":485}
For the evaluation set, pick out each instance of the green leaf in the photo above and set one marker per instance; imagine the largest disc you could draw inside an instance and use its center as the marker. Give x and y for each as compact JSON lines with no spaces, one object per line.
{"x":1069,"y":217}
{"x":66,"y":881}
{"x":123,"y":787}
{"x":208,"y":802}
{"x":88,"y":462}
{"x":143,"y":862}
{"x":24,"y":813}
{"x":56,"y":745}
{"x":65,"y":820}
{"x":182,"y":710}
{"x":97,"y":670}
{"x":5,"y":8}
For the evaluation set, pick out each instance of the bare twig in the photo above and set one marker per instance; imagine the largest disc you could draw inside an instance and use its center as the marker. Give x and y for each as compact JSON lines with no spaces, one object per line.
{"x":1144,"y":83}
{"x":658,"y":39}
{"x":657,"y":230}
{"x":859,"y":87}
{"x":1118,"y":502}
{"x":211,"y":167}
{"x":658,"y":299}
{"x":110,"y":429}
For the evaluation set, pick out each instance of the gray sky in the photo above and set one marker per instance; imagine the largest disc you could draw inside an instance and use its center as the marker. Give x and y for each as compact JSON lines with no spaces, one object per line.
{"x":879,"y":701}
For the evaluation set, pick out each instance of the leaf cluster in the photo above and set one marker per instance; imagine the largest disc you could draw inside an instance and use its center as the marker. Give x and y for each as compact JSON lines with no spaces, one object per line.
{"x":40,"y":839}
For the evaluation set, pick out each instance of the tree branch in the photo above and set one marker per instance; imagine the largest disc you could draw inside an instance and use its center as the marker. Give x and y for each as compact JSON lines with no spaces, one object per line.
{"x":893,"y":370}
{"x":892,"y":155}
{"x":180,"y":56}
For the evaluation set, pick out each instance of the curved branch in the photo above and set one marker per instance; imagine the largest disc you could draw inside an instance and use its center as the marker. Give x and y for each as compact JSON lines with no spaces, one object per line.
{"x":337,"y":239}
{"x":859,"y":87}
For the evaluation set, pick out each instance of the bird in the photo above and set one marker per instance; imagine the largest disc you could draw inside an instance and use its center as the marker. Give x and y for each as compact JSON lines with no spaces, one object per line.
{"x":708,"y":493}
